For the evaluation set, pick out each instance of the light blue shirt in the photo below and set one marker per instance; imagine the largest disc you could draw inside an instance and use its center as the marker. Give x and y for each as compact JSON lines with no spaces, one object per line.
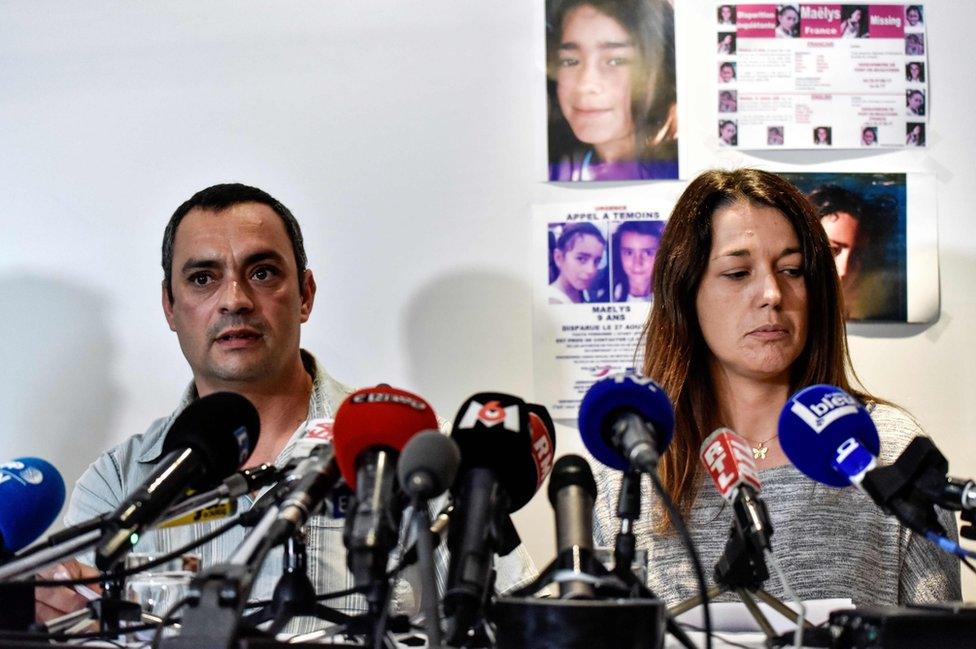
{"x":118,"y":472}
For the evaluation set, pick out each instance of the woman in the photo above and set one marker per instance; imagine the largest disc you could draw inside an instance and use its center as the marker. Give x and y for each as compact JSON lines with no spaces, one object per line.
{"x":634,"y":248}
{"x":578,"y":256}
{"x":748,"y":310}
{"x":612,"y":90}
{"x":787,"y":18}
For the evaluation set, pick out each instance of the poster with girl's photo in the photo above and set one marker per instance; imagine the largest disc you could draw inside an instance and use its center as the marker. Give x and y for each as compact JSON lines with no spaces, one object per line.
{"x":612,"y":103}
{"x":593,"y":289}
{"x":839,"y":76}
{"x":882,"y":232}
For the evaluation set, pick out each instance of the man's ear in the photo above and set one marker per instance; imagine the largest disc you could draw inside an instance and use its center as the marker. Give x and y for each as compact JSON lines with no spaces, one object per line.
{"x":308,"y":294}
{"x":167,"y":307}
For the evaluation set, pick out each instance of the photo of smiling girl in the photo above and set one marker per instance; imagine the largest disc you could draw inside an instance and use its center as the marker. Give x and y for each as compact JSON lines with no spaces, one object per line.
{"x":611,"y":90}
{"x":577,"y":263}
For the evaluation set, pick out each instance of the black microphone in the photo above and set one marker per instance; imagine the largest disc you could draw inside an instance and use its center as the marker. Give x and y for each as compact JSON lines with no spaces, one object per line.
{"x":507,"y":447}
{"x":572,"y":491}
{"x":427,"y":467}
{"x":209,"y":440}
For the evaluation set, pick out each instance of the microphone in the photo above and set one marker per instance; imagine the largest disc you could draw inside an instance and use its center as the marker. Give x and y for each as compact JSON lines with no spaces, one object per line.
{"x":507,"y":447}
{"x":31,"y":495}
{"x":371,"y":427}
{"x":208,"y":441}
{"x":829,"y":436}
{"x":572,"y":491}
{"x":626,"y":421}
{"x":729,"y":461}
{"x":428,"y":466}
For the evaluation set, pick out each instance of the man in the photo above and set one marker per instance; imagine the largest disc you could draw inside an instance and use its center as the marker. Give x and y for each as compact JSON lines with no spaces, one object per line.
{"x":236,"y":291}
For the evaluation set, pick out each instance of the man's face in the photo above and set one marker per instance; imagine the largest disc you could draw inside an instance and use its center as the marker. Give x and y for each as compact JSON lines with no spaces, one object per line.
{"x":236,"y":308}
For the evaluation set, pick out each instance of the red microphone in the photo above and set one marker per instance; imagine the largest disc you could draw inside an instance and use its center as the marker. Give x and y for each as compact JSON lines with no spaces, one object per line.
{"x":728,"y":459}
{"x":371,"y":428}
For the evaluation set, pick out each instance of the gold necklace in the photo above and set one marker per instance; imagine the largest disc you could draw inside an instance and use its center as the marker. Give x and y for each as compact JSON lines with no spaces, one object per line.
{"x":759,"y":450}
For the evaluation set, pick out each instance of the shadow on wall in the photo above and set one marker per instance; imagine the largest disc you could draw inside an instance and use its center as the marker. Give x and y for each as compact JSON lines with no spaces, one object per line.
{"x":466,"y":333}
{"x":57,"y":396}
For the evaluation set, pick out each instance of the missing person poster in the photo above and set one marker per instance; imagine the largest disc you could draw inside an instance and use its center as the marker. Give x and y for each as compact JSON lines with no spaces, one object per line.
{"x":821,"y":75}
{"x":594,"y":268}
{"x":612,"y":103}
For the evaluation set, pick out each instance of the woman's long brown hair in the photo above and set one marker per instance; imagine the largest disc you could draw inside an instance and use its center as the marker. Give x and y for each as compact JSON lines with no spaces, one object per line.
{"x":675,"y":353}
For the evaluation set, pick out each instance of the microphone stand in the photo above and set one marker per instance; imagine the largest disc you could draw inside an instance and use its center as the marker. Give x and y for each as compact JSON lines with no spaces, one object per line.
{"x":294,"y":594}
{"x":624,"y":549}
{"x":742,"y":569}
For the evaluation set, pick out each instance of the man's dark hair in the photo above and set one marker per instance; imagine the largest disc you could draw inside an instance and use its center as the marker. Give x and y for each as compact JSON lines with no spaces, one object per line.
{"x":220,"y":197}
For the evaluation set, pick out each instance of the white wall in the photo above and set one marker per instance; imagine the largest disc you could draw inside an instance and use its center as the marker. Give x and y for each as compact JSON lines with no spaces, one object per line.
{"x":408,"y":139}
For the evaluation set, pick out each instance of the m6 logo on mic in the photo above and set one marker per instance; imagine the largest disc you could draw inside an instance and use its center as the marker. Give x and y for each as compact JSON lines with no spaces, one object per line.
{"x":491,"y":414}
{"x":729,"y":462}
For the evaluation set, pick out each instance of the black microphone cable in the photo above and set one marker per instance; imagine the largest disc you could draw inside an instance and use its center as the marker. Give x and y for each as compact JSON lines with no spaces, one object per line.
{"x":679,"y":525}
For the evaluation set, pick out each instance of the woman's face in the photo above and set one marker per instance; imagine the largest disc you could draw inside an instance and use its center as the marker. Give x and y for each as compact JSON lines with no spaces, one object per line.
{"x":637,"y":253}
{"x":726,"y":12}
{"x":787,"y":19}
{"x":915,"y":101}
{"x":726,"y":73}
{"x":593,"y":81}
{"x":752,"y":300}
{"x":914,"y":71}
{"x":912,"y":16}
{"x":578,"y":265}
{"x":856,"y":16}
{"x":728,"y":132}
{"x":841,"y":229}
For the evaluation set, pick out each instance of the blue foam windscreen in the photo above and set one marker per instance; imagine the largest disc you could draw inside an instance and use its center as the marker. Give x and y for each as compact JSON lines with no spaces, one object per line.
{"x":617,"y":394}
{"x":816,"y":422}
{"x":31,"y":496}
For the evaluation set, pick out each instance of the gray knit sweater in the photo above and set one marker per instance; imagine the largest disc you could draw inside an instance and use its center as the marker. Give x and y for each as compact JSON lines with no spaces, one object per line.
{"x":830,"y":542}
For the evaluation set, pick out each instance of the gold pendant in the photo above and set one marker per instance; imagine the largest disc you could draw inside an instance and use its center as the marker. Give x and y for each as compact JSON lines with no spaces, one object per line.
{"x":759,"y":452}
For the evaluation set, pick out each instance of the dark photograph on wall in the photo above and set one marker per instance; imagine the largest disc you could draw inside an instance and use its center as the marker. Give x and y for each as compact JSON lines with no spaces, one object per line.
{"x":612,"y":103}
{"x":578,"y":271}
{"x":864,"y":216}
